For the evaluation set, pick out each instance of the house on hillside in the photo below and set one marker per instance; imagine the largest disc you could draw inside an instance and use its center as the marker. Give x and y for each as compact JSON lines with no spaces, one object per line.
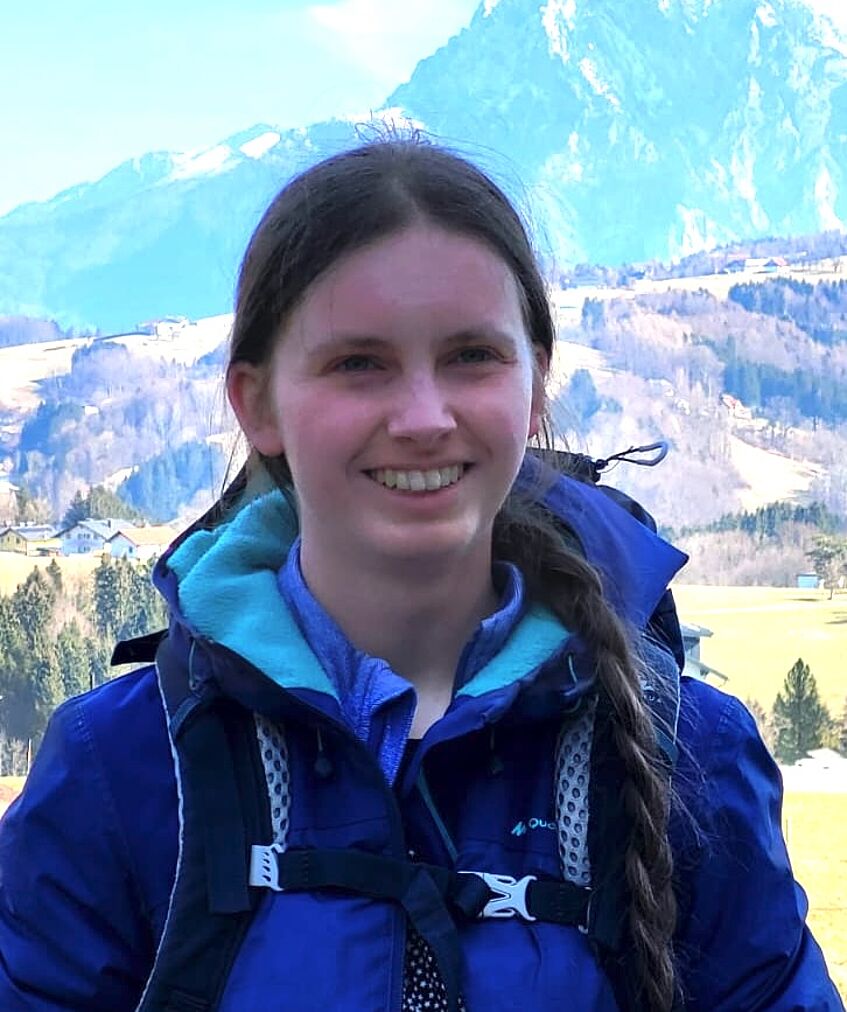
{"x":141,"y":543}
{"x":164,"y":329}
{"x":30,"y":539}
{"x":736,"y":408}
{"x":89,"y":536}
{"x":764,"y":265}
{"x":734,"y":267}
{"x":696,"y":668}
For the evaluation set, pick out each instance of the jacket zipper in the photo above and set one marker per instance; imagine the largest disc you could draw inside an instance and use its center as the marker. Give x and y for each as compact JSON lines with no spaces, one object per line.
{"x":426,"y":794}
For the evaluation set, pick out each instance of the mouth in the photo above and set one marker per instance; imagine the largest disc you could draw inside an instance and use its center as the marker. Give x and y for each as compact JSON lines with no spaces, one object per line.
{"x":431,"y":480}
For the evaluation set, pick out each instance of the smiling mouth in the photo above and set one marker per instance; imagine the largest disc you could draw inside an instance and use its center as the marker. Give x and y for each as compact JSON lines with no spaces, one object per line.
{"x":419,"y":481}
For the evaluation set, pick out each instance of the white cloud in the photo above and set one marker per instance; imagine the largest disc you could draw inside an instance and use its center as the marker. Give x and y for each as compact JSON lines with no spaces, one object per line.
{"x":835,"y":10}
{"x":388,"y":38}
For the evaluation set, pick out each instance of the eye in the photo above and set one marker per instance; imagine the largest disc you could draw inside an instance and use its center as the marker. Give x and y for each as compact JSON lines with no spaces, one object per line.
{"x":355,"y":363}
{"x":475,"y":355}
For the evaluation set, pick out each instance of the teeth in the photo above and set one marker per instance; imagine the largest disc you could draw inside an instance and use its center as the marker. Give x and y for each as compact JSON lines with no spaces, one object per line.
{"x":419,"y":481}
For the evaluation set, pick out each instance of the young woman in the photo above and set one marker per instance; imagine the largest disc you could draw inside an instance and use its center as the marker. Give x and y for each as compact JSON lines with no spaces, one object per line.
{"x":477,"y":779}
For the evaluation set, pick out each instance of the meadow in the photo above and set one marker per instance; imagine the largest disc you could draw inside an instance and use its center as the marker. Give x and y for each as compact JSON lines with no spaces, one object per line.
{"x":815,"y":826}
{"x":757,"y":634}
{"x":15,"y":568}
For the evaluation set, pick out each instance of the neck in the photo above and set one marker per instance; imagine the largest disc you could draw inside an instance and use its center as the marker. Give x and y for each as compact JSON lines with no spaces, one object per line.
{"x":415,"y":616}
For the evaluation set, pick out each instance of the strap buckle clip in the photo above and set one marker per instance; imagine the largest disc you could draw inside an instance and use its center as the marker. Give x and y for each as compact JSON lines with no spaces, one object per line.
{"x":509,"y":897}
{"x":264,"y":866}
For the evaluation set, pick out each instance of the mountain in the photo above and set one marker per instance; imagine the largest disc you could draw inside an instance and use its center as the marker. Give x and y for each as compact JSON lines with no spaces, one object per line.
{"x":628,"y":131}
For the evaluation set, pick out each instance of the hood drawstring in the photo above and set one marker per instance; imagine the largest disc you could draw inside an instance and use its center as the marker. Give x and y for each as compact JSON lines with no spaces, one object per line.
{"x":323,"y":765}
{"x":495,"y":763}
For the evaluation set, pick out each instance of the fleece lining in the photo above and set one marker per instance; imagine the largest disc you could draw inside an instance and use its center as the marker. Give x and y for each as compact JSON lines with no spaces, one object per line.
{"x":228,"y":592}
{"x":536,"y":639}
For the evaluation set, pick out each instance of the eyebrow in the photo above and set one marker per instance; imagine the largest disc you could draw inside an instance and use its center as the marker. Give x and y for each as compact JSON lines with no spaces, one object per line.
{"x":368,"y":342}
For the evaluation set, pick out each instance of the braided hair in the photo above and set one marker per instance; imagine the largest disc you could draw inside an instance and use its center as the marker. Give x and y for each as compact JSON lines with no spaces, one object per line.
{"x":559,"y":577}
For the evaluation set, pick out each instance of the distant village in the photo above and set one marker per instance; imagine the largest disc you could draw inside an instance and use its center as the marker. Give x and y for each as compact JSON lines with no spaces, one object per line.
{"x":119,"y":539}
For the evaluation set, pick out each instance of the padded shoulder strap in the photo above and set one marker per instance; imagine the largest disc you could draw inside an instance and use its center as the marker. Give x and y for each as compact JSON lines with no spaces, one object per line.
{"x":223,"y":805}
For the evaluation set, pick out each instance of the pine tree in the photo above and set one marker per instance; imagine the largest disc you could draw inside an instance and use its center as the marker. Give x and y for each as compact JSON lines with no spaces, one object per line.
{"x":54,"y":571}
{"x":829,"y":557}
{"x":73,"y":659}
{"x":841,"y":744}
{"x":111,"y":597}
{"x":33,"y":603}
{"x":800,"y":719}
{"x":48,"y":689}
{"x":102,"y":504}
{"x":77,"y":510}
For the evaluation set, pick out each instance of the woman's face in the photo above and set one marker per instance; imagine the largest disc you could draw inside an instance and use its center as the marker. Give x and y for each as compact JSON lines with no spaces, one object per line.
{"x":402,"y":392}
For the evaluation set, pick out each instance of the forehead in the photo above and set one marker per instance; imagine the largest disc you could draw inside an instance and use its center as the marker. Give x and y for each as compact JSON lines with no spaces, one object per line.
{"x":423,"y":274}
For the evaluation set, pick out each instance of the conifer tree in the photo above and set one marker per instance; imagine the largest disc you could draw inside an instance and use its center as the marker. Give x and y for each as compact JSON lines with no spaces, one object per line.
{"x":829,"y":557}
{"x":74,"y":662}
{"x":800,"y":718}
{"x":77,"y":510}
{"x":841,"y":744}
{"x":54,"y":571}
{"x":111,"y":597}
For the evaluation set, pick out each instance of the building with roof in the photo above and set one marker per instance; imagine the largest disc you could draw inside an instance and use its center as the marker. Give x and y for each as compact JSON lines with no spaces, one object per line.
{"x":87,"y":537}
{"x":694,"y":666}
{"x":140,"y":543}
{"x":30,"y":539}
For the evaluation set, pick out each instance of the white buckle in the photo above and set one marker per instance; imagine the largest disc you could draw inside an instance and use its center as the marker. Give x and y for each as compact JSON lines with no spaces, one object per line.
{"x":510,"y":895}
{"x":264,"y":868}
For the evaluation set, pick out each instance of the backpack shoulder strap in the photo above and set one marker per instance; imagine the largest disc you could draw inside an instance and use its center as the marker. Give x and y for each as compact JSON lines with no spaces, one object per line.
{"x":218,"y":768}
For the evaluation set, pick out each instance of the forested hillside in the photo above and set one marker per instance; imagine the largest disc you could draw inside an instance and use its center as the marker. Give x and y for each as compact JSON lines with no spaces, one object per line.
{"x":763,"y":371}
{"x":56,"y":639}
{"x":118,"y":412}
{"x":714,"y":376}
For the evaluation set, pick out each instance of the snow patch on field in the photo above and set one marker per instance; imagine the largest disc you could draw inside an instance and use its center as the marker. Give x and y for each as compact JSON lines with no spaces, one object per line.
{"x":769,"y":476}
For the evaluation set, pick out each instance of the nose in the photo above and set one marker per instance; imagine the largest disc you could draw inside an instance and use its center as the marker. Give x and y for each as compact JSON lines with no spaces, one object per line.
{"x":421,"y":411}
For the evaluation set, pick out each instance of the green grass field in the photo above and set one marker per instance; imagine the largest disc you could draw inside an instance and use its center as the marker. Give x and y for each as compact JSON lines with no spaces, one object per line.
{"x":759,"y":632}
{"x":15,"y":568}
{"x":815,"y":826}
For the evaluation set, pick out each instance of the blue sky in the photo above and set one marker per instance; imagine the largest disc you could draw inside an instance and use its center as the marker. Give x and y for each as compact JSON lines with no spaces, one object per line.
{"x":87,"y":84}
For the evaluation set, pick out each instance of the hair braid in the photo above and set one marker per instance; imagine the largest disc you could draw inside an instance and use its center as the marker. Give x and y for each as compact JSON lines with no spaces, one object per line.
{"x":571,"y":588}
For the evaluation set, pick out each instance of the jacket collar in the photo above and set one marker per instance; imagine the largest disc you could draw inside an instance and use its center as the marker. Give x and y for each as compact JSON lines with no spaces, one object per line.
{"x":222,"y":585}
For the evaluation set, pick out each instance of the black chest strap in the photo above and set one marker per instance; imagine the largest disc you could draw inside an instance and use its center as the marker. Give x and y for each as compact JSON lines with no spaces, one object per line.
{"x":470,"y":894}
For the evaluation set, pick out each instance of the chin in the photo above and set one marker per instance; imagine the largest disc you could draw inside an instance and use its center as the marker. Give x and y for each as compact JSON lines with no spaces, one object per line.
{"x":428,"y":547}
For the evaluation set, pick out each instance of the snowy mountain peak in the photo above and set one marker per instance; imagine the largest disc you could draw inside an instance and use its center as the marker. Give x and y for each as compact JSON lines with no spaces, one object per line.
{"x":203,"y":162}
{"x":627,"y":131}
{"x":260,"y":145}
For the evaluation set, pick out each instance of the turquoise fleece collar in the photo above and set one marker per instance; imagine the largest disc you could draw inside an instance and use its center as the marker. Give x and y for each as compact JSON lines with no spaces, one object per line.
{"x":229,"y":593}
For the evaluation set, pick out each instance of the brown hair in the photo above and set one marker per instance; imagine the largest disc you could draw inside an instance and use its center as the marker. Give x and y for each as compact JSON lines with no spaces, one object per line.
{"x":350,"y":201}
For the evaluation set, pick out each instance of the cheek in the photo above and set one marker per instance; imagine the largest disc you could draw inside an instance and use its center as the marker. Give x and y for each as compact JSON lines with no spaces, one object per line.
{"x":322,"y":434}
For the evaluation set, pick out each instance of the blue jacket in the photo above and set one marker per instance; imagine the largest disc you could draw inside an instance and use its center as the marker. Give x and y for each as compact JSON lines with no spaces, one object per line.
{"x":88,"y":853}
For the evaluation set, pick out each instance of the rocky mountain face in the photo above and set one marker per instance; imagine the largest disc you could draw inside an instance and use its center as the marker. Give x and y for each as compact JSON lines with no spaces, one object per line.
{"x":628,"y":131}
{"x":652,"y":128}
